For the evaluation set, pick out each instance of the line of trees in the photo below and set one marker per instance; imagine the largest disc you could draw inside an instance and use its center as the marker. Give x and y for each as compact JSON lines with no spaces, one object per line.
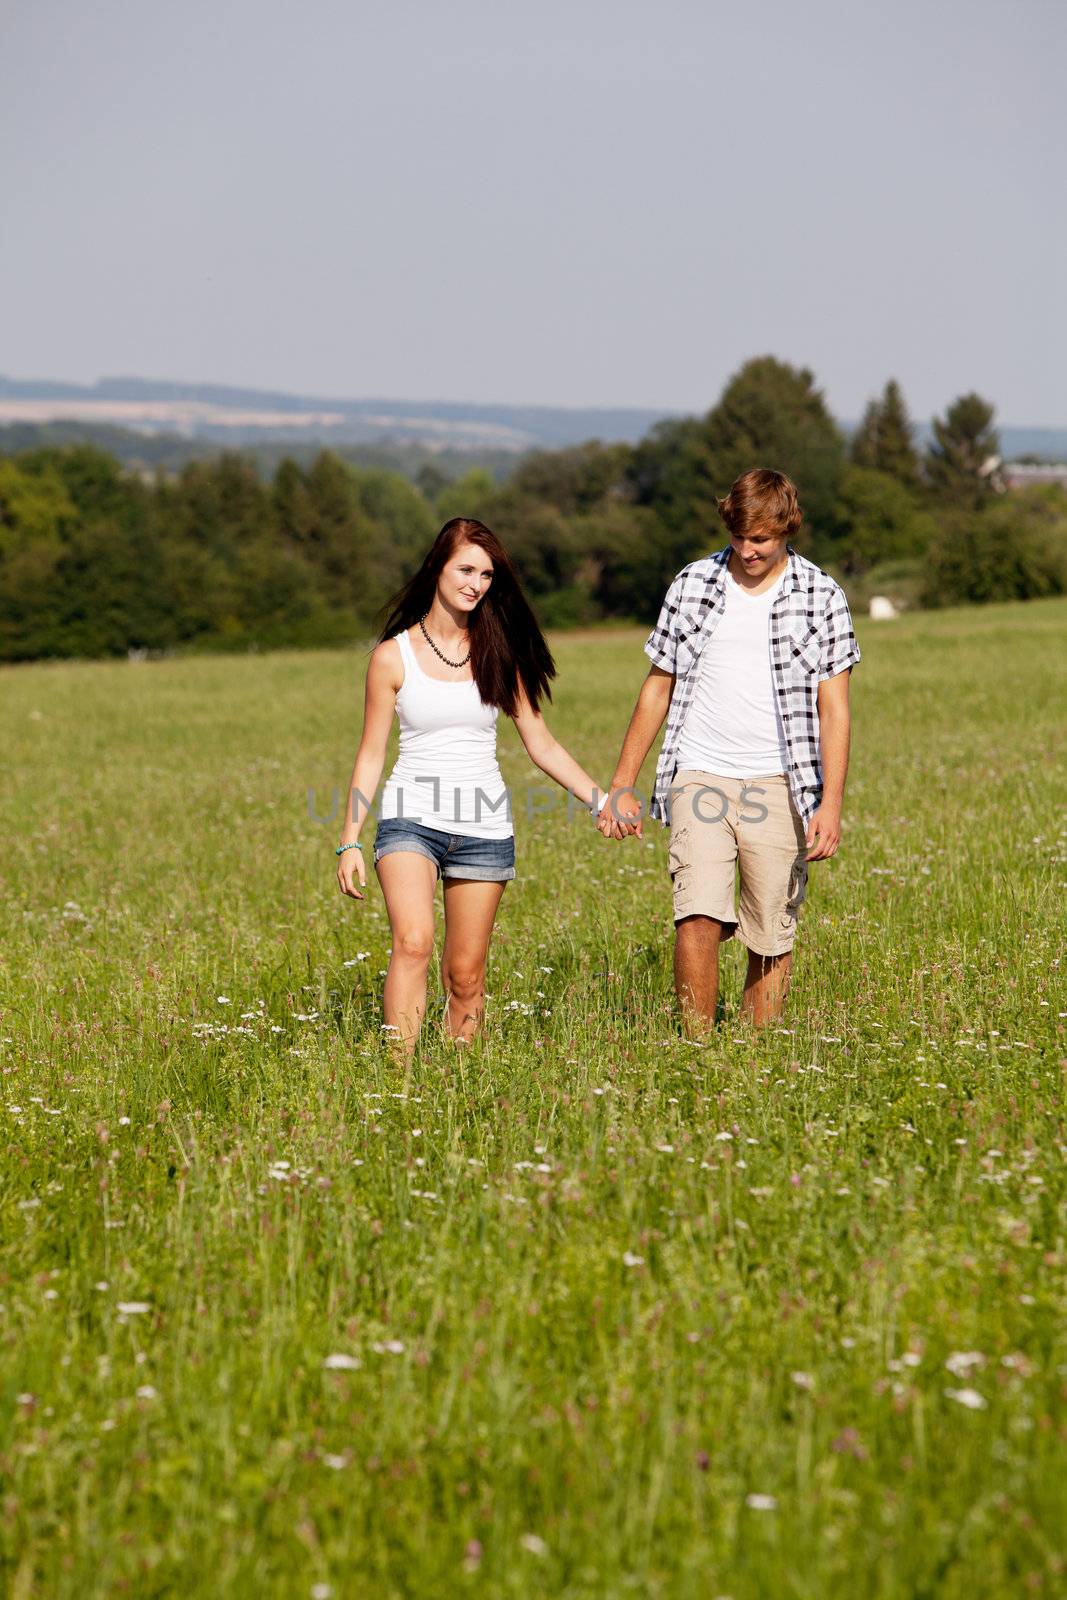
{"x":96,"y":561}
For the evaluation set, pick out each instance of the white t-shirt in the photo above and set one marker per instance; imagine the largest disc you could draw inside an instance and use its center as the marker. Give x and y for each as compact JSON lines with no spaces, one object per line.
{"x":732,"y":726}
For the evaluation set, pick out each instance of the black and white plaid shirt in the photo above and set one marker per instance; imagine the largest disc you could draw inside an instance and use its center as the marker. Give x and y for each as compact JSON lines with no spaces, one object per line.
{"x":811,"y":638}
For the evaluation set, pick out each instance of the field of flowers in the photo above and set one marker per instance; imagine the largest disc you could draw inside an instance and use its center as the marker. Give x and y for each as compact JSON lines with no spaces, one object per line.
{"x":588,"y":1310}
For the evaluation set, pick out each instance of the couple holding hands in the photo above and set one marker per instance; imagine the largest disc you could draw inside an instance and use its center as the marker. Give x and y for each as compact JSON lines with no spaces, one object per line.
{"x":750,"y":663}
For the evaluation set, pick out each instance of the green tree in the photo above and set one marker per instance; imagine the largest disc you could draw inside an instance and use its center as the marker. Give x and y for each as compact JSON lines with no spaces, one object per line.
{"x":29,"y":624}
{"x":543,"y":545}
{"x":877,"y":520}
{"x":401,"y":528}
{"x":670,"y":475}
{"x":885,"y":439}
{"x":94,"y":481}
{"x":86,"y":582}
{"x":574,"y":480}
{"x":293,"y":505}
{"x":395,"y":506}
{"x":470,"y":496}
{"x":961,"y":463}
{"x":622,"y":571}
{"x":34,"y":506}
{"x":770,"y":415}
{"x":220,"y":504}
{"x":322,"y":522}
{"x":431,"y":480}
{"x":1013,"y":549}
{"x":276,"y":588}
{"x":201,"y":592}
{"x":36,"y":517}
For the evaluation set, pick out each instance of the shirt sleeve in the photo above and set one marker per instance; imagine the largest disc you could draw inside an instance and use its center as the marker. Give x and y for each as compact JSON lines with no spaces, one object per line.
{"x":661,"y":646}
{"x":838,"y":650}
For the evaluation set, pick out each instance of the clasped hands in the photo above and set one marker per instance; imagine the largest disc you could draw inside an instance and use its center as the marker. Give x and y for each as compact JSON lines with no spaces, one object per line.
{"x":622,"y":815}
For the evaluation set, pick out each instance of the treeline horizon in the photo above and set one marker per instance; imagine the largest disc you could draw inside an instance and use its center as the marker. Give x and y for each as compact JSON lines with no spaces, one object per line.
{"x":97,"y":561}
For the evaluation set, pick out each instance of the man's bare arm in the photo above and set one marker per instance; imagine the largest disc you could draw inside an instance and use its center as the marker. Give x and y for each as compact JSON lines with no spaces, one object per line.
{"x":835,"y":731}
{"x":653,"y":703}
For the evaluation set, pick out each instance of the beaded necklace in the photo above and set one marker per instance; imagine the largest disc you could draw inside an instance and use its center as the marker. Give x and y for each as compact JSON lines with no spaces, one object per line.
{"x":439,"y":653}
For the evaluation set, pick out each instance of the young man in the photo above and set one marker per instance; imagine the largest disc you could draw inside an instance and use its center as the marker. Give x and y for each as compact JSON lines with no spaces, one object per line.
{"x":751,"y":659}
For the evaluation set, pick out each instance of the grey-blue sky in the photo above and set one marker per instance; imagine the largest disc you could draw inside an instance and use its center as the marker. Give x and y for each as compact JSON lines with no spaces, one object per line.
{"x":573,"y":202}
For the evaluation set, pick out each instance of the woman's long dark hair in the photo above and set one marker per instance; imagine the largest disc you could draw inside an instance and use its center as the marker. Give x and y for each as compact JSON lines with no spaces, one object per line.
{"x":507,"y":645}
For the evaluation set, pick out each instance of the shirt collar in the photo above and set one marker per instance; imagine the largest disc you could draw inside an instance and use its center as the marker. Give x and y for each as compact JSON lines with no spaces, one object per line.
{"x":721,"y":558}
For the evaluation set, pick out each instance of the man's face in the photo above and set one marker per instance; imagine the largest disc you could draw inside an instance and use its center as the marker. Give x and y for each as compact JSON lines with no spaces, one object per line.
{"x":758,"y":551}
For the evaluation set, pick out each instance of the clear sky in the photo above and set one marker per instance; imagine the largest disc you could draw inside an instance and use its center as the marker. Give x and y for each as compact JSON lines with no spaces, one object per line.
{"x":575,"y":202}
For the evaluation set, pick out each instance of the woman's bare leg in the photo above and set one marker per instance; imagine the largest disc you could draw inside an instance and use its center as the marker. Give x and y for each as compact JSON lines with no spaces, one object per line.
{"x":470,"y":909}
{"x":408,"y":881}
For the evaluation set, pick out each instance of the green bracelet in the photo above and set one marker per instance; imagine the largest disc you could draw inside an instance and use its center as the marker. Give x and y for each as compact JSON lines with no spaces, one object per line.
{"x":355,"y":845}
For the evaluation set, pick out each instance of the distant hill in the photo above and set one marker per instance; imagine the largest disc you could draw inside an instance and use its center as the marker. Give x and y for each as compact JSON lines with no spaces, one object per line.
{"x":249,"y":416}
{"x":209,"y":415}
{"x":168,"y":452}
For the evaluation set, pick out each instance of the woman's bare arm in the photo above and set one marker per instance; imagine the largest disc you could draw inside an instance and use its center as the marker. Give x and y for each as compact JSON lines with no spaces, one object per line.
{"x":385,"y":675}
{"x":546,"y":752}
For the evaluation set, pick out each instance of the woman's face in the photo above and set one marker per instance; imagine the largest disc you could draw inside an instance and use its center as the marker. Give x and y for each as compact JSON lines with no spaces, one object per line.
{"x":465,"y":577}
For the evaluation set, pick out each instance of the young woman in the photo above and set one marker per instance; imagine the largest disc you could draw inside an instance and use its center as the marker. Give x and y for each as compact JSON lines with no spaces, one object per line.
{"x":461,"y":644}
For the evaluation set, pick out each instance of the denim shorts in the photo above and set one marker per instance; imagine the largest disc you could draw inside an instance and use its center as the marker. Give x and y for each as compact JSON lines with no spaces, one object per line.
{"x":455,"y":855}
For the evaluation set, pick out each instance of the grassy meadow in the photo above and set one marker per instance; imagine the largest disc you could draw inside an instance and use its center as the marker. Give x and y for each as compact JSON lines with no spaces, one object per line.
{"x":588,"y":1310}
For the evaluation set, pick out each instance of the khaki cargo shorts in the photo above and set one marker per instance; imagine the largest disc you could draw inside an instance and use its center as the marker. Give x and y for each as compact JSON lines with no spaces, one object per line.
{"x":721,"y":824}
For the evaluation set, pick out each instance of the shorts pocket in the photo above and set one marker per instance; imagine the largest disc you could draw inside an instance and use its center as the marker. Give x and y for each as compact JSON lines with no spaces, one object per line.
{"x":677,"y":850}
{"x":798,"y":885}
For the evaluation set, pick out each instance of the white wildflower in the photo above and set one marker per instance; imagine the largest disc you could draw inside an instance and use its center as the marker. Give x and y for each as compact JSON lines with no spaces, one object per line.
{"x":761,"y":1502}
{"x":342,"y":1363}
{"x":967,"y":1397}
{"x":961,"y":1362}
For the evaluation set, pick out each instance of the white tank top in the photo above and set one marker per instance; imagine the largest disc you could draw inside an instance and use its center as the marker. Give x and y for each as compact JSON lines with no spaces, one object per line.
{"x":446,"y":774}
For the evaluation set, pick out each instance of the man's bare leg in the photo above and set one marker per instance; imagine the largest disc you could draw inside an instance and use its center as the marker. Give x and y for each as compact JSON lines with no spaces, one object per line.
{"x":766,"y":987}
{"x":696,"y":969}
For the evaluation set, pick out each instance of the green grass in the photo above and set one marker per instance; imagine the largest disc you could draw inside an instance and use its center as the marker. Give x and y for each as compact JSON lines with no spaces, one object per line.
{"x":602,"y":1286}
